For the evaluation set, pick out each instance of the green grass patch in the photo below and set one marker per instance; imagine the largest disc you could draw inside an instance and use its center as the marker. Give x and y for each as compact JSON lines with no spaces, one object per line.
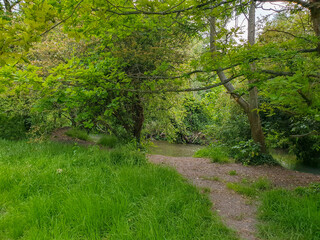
{"x":215,"y":153}
{"x":55,"y":191}
{"x":78,"y":133}
{"x":233,"y":173}
{"x":290,"y":214}
{"x":250,"y":188}
{"x":108,"y":141}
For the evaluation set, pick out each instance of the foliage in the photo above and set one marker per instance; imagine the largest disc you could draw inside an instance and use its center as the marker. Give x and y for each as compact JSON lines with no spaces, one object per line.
{"x":103,"y":82}
{"x":22,"y":23}
{"x":296,"y":134}
{"x":50,"y":190}
{"x":108,"y":141}
{"x":121,"y":157}
{"x":251,"y":188}
{"x":216,"y":153}
{"x":78,"y":133}
{"x":307,"y":150}
{"x":290,"y":214}
{"x":12,"y":127}
{"x":184,"y":123}
{"x":248,"y":153}
{"x":229,"y":124}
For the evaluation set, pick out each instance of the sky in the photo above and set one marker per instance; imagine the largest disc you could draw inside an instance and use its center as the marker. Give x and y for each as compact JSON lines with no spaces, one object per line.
{"x":267,"y":10}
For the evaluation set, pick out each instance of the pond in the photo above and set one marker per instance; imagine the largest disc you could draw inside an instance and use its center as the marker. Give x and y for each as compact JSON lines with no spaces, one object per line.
{"x":173,"y":149}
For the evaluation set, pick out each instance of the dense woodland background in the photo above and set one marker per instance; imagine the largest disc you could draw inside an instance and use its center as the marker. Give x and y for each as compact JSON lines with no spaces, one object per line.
{"x":166,"y":70}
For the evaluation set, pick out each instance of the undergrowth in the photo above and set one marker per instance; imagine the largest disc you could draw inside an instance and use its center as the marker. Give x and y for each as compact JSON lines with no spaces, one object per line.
{"x":78,"y":133}
{"x":108,"y":141}
{"x":54,"y":191}
{"x":215,"y":153}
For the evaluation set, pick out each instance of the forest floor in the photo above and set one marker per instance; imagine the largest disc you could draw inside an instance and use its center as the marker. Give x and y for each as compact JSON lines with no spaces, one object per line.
{"x":237,"y":211}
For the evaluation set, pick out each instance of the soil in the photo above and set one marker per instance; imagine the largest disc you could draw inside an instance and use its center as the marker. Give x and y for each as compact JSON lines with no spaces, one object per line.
{"x":238,"y":212}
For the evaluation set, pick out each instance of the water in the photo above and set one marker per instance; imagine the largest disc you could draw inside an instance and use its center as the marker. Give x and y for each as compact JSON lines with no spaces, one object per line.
{"x":286,"y":160}
{"x":173,"y":149}
{"x":289,"y":161}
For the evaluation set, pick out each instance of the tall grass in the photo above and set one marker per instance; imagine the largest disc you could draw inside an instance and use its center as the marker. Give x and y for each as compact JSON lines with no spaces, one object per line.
{"x":214,"y":153}
{"x":78,"y":133}
{"x":290,"y":215}
{"x":109,"y":141}
{"x":54,"y":191}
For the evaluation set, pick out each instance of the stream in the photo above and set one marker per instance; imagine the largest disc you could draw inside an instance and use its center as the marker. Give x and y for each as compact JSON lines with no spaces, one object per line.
{"x":173,"y":149}
{"x":188,"y":150}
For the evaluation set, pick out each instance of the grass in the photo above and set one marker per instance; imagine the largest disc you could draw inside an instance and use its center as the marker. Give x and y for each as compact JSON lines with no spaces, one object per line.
{"x":78,"y":133}
{"x":233,"y":173}
{"x":108,"y":141}
{"x":284,"y":214}
{"x":250,"y":188}
{"x":215,"y":153}
{"x":285,"y":159}
{"x":290,"y":215}
{"x":54,"y":191}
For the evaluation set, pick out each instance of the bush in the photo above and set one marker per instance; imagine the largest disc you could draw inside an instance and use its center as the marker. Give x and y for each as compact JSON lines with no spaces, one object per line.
{"x":217,"y":153}
{"x":248,"y":153}
{"x":78,"y":133}
{"x":12,"y":127}
{"x":108,"y":141}
{"x":308,"y":151}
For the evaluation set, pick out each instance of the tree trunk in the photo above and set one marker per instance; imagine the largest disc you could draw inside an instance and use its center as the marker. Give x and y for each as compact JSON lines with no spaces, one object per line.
{"x":251,"y":107}
{"x":315,"y":18}
{"x":253,"y":114}
{"x":138,"y":117}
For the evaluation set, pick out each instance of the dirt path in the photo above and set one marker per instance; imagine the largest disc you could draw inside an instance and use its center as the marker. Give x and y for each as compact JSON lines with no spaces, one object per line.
{"x":236,"y":211}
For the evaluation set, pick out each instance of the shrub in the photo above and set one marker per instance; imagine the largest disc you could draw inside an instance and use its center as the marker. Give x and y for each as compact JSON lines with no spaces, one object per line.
{"x":78,"y":133}
{"x":12,"y":127}
{"x":307,"y":150}
{"x":108,"y":141}
{"x":217,"y":153}
{"x":248,"y":153}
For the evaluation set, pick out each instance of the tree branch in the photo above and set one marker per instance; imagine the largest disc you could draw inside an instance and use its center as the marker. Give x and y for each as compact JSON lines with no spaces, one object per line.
{"x":299,"y":2}
{"x":177,"y":90}
{"x":280,"y":31}
{"x":62,"y":21}
{"x":314,"y":132}
{"x":170,"y":10}
{"x":308,"y":101}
